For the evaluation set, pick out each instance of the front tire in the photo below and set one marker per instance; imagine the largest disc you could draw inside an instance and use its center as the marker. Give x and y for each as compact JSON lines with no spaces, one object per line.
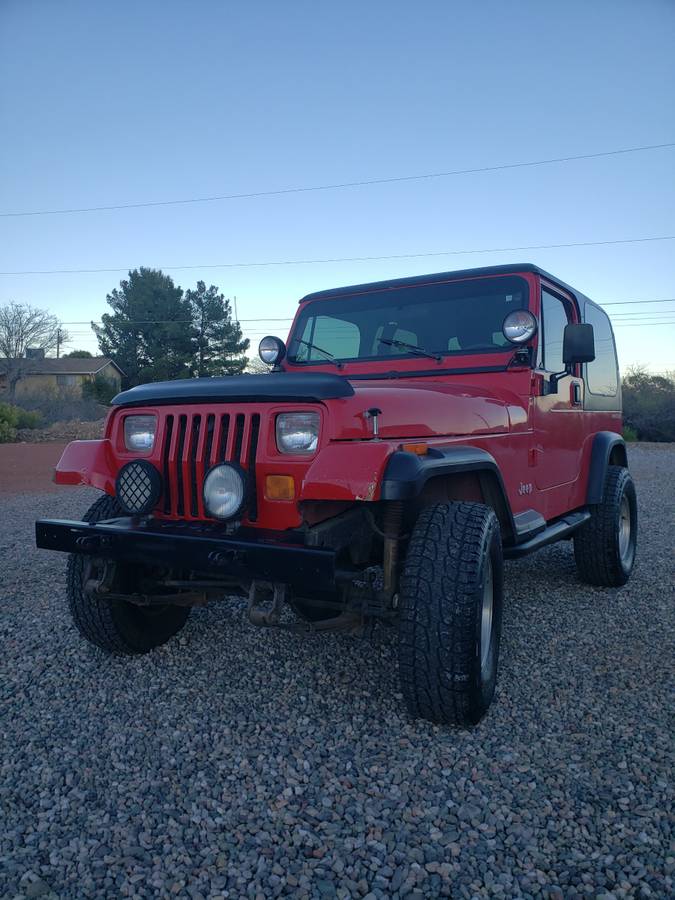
{"x":605,"y":545}
{"x":117,"y":626}
{"x":451,"y":614}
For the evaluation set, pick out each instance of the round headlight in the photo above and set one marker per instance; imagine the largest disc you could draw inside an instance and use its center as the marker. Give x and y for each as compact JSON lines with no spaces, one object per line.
{"x":271,"y":350}
{"x":519,"y":326}
{"x":224,"y":491}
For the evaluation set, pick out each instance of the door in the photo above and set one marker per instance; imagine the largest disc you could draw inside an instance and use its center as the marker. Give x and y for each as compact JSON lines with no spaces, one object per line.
{"x":558,"y":413}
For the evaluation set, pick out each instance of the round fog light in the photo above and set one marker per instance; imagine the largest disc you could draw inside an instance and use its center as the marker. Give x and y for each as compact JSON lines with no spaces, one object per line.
{"x":224,"y":491}
{"x":138,"y":486}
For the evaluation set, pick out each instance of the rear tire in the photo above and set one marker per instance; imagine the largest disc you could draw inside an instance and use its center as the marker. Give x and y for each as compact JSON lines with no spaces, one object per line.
{"x":605,"y":545}
{"x":451,"y":613}
{"x":117,"y":626}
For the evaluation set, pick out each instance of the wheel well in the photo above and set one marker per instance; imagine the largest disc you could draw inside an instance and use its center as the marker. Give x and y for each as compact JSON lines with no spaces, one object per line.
{"x":608,"y":449}
{"x":618,"y":456}
{"x":480,"y":486}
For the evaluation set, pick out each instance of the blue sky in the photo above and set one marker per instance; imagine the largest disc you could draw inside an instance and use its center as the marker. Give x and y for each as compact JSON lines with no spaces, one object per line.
{"x":125,"y":102}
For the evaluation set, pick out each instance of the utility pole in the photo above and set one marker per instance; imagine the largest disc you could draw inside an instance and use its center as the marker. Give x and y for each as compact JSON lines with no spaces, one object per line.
{"x":58,"y":342}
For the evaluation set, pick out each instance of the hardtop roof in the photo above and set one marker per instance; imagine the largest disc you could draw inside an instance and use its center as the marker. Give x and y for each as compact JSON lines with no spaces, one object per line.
{"x":434,"y":278}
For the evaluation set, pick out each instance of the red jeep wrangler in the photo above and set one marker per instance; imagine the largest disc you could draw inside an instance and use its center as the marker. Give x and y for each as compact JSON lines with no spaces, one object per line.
{"x":415,"y":433}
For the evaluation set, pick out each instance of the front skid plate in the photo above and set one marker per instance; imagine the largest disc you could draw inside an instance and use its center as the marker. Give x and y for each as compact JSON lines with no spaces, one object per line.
{"x":202,"y":550}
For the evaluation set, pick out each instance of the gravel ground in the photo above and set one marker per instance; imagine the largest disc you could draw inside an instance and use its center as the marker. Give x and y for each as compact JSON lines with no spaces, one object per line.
{"x":236,"y":762}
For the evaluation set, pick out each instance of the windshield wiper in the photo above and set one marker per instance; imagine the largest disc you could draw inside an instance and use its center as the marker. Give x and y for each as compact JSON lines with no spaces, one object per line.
{"x":330,"y":356}
{"x":418,"y":351}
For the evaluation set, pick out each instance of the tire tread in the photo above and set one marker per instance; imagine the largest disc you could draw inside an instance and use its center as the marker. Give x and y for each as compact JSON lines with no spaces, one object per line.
{"x":100,"y":621}
{"x":596,"y":551}
{"x":437,"y":637}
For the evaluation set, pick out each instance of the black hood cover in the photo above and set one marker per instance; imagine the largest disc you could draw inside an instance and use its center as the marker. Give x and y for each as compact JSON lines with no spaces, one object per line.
{"x":278,"y":386}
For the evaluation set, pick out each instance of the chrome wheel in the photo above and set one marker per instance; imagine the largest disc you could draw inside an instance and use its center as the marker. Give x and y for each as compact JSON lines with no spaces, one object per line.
{"x":487,"y":607}
{"x":625,"y":548}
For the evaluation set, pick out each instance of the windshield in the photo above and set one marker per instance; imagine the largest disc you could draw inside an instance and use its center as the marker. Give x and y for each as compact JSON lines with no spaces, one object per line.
{"x":422,"y":320}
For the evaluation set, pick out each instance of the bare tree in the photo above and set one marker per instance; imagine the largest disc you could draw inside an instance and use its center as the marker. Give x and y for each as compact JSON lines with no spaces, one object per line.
{"x":23,"y":326}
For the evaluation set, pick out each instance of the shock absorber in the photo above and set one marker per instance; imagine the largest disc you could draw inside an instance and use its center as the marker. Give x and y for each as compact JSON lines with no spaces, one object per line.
{"x":392,"y":523}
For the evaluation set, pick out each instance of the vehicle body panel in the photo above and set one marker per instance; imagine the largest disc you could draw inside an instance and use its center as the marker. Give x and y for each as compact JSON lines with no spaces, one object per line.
{"x":541,"y":441}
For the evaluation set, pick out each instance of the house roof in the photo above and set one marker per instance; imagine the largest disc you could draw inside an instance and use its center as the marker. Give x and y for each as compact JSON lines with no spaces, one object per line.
{"x":66,"y":366}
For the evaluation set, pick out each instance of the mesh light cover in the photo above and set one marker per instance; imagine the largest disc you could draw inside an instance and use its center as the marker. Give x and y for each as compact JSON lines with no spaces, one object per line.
{"x":138,"y":487}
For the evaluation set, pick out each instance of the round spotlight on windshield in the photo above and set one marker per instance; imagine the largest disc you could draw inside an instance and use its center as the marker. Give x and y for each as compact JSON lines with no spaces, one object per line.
{"x":225,"y":491}
{"x":271,"y":350}
{"x":519,"y":326}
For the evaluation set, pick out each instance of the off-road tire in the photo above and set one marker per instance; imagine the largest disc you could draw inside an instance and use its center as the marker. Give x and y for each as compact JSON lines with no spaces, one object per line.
{"x":114,"y":625}
{"x":597,"y":544}
{"x":453,"y":549}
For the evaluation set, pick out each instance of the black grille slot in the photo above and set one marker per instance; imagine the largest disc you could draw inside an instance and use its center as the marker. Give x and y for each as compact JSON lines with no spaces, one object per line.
{"x":208,"y":446}
{"x":165,"y":464}
{"x":238,"y":438}
{"x":182,"y":428}
{"x":224,"y":431}
{"x":253,"y":449}
{"x":194,"y":442}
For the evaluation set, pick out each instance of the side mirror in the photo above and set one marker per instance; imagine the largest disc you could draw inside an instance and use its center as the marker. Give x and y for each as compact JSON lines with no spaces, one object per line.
{"x":578,"y":344}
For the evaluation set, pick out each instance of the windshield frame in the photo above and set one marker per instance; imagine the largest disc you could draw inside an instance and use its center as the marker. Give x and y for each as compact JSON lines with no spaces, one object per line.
{"x":523,"y":282}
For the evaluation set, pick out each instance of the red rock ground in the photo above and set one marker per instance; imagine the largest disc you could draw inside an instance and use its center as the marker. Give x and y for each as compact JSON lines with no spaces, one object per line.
{"x":28,"y":468}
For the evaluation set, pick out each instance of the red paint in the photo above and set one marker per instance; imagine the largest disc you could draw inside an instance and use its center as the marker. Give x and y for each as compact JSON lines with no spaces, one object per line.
{"x":541,"y":442}
{"x":93,"y":463}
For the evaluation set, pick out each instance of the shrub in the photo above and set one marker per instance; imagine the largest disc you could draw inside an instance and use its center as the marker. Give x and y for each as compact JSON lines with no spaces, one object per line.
{"x":28,"y":418}
{"x":13,"y":417}
{"x":9,"y":414}
{"x":629,"y":434}
{"x":62,"y":407}
{"x":7,"y":433}
{"x":649,"y":405}
{"x":99,"y":389}
{"x":8,"y":420}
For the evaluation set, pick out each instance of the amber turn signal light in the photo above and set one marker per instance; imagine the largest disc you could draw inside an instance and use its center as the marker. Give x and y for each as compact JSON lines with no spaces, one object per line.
{"x":279,"y":487}
{"x":419,"y":449}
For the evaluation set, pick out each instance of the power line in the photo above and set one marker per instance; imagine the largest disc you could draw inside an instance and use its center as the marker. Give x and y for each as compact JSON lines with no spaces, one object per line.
{"x":341,"y":259}
{"x":339,"y":186}
{"x":631,"y":302}
{"x":175,"y":321}
{"x":290,"y":318}
{"x":642,"y":315}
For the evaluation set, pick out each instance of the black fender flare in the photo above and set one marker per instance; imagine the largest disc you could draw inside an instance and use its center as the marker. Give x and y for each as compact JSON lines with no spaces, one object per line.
{"x":406,"y":474}
{"x":604,"y":444}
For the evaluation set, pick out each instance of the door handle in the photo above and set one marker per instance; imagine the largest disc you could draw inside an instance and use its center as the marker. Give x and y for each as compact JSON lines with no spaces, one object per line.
{"x":576,"y":393}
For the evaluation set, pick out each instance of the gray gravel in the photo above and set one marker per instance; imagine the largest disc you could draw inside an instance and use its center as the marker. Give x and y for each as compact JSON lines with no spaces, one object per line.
{"x":236,"y":762}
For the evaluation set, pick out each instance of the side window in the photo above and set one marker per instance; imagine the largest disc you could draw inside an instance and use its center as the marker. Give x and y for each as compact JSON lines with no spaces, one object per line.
{"x":601,"y":374}
{"x":554,"y":318}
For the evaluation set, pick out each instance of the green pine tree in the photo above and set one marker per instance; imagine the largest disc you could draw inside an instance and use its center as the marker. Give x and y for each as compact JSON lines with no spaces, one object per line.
{"x":220,"y":343}
{"x":149,"y":333}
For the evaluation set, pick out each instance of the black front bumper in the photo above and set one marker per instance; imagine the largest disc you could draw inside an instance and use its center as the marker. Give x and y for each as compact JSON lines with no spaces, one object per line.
{"x":203,"y":549}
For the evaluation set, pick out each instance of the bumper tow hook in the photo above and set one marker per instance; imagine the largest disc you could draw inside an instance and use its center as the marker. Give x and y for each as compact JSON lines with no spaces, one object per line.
{"x":265,"y":603}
